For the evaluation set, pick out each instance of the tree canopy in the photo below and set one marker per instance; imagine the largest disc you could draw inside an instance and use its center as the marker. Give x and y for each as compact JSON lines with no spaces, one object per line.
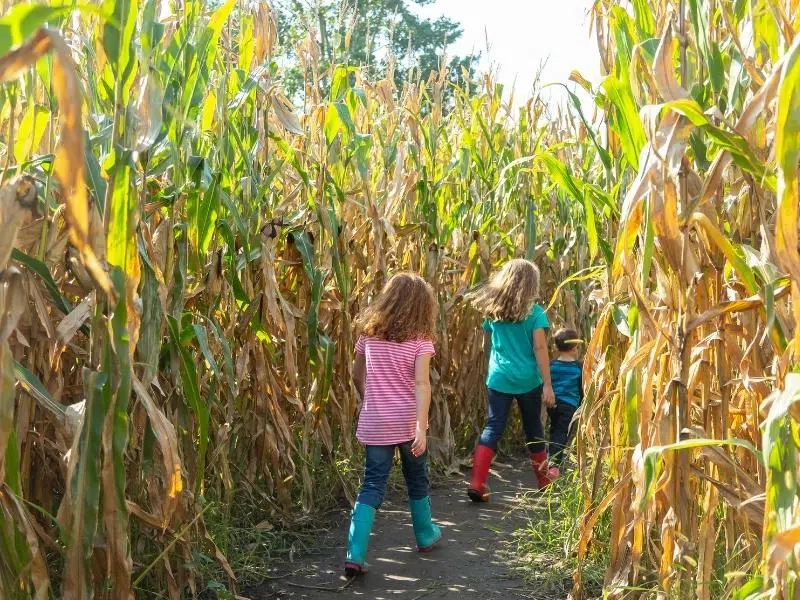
{"x":373,"y":34}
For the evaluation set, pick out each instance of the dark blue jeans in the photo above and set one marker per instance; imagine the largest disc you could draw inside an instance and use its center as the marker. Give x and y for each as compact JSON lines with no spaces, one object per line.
{"x":530,"y":408}
{"x":378,"y":465}
{"x":560,"y":432}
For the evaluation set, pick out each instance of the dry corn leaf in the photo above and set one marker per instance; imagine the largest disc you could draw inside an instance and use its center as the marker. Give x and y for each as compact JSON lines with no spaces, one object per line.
{"x":69,"y":156}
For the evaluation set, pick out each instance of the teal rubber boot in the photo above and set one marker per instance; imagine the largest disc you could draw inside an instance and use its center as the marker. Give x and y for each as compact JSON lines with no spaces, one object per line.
{"x":361,"y":520}
{"x":425,"y":530}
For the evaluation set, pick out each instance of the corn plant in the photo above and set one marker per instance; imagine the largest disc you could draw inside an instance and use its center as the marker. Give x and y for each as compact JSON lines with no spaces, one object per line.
{"x":688,"y":435}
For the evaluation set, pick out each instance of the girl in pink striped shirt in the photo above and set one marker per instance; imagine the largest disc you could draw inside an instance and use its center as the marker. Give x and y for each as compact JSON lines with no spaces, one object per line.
{"x":392,"y":376}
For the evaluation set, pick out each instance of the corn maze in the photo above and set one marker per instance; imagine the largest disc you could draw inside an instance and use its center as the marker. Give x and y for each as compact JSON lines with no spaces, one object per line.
{"x":183,"y":250}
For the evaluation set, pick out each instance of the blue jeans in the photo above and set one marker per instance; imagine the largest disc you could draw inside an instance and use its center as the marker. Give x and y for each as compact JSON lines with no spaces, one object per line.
{"x":560,"y":432}
{"x":530,"y":408}
{"x":377,"y":466}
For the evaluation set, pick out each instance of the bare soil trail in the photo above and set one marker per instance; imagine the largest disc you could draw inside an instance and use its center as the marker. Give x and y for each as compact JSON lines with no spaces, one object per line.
{"x":470,"y":561}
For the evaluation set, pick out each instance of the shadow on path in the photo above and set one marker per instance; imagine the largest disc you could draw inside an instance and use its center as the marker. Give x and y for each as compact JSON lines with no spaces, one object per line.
{"x":468,"y":563}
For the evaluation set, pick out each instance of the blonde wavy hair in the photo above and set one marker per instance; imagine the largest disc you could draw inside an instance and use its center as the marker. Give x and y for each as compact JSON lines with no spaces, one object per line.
{"x":405,"y":310}
{"x":510,"y":293}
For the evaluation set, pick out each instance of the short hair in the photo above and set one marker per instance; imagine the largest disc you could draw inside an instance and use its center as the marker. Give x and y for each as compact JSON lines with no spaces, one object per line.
{"x":567,"y":339}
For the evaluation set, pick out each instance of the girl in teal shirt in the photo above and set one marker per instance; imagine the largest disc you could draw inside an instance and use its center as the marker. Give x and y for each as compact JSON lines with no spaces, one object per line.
{"x":515,"y":334}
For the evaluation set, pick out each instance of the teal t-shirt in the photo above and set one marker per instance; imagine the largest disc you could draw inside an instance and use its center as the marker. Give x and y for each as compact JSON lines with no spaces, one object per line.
{"x":512,"y":363}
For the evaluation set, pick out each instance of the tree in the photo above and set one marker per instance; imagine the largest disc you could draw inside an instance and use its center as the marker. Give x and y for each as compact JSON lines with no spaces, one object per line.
{"x":371,"y":34}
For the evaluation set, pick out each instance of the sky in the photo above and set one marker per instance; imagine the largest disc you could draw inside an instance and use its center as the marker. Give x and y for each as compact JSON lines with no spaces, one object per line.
{"x":523,"y":33}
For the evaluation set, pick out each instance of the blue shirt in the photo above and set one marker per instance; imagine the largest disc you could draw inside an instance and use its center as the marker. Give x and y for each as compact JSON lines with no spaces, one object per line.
{"x":512,"y":363}
{"x":567,"y":381}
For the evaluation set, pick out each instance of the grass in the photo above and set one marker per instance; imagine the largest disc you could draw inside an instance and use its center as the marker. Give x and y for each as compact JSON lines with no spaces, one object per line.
{"x":255,"y":538}
{"x":543,"y":552}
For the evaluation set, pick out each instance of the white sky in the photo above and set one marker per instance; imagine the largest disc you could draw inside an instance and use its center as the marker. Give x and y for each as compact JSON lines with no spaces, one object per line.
{"x":523,"y":33}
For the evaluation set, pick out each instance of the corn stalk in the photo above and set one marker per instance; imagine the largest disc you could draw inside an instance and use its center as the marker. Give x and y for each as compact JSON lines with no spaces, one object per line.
{"x":687,"y":435}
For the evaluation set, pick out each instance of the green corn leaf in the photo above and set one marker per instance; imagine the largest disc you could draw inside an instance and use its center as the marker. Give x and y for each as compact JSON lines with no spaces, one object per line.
{"x":6,"y":398}
{"x":315,"y":276}
{"x":781,"y":454}
{"x":602,"y":152}
{"x":649,"y":241}
{"x":787,"y":154}
{"x":622,"y":30}
{"x":734,"y":143}
{"x":753,"y":589}
{"x":248,"y":88}
{"x":582,"y":275}
{"x":591,"y":225}
{"x":207,"y":47}
{"x":120,"y":243}
{"x":624,"y":118}
{"x":31,"y":384}
{"x":328,"y":352}
{"x":246,"y":42}
{"x":115,"y":440}
{"x":118,"y":44}
{"x":654,"y":455}
{"x":620,"y":313}
{"x":232,"y":270}
{"x":196,"y":403}
{"x":631,"y":408}
{"x":645,"y":22}
{"x":698,"y":12}
{"x":227,"y":356}
{"x":561,"y":175}
{"x":338,"y":121}
{"x":202,"y":209}
{"x":11,"y":461}
{"x":149,"y":346}
{"x":201,"y":335}
{"x":342,"y":81}
{"x":214,"y":30}
{"x":24,"y":19}
{"x":94,"y":178}
{"x":38,"y":267}
{"x":85,"y":485}
{"x":31,"y":130}
{"x":151,"y":31}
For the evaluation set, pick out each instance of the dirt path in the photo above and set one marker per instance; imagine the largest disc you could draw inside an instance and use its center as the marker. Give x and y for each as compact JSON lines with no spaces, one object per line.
{"x":468,"y":563}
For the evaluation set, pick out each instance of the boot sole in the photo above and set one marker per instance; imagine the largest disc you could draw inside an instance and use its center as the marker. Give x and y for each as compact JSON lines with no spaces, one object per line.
{"x":430,"y":547}
{"x":354,"y":569}
{"x":477,"y":495}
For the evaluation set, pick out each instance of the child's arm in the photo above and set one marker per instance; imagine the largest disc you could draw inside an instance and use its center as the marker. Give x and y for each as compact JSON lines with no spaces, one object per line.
{"x":422,"y":391}
{"x":487,"y":345}
{"x":543,"y":360}
{"x":360,"y":374}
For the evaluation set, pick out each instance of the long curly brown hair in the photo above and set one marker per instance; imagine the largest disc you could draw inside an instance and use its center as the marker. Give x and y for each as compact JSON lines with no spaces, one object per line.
{"x":405,"y":310}
{"x":510,"y":293}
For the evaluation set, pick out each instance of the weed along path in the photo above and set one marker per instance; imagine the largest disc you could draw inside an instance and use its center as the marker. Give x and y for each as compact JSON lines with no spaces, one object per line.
{"x":470,"y":561}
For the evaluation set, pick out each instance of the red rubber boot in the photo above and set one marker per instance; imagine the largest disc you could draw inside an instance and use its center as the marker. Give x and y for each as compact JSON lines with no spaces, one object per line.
{"x":481,"y":461}
{"x":541,"y":469}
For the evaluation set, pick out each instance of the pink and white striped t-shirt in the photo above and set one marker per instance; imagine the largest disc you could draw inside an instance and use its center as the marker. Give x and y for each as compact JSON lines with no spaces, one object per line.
{"x":389,"y":413}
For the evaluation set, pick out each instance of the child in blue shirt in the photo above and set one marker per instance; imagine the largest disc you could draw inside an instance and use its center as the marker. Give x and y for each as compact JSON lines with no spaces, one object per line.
{"x":566,"y":377}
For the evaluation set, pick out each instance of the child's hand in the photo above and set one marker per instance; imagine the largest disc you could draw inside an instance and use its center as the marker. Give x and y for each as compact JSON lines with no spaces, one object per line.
{"x":420,"y":443}
{"x":548,"y":397}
